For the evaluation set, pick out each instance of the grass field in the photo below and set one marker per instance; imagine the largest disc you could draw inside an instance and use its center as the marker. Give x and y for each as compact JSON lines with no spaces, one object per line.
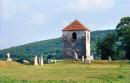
{"x":66,"y":72}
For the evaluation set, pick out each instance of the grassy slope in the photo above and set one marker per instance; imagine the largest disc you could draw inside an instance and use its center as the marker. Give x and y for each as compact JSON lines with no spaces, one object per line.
{"x":63,"y":72}
{"x":5,"y":64}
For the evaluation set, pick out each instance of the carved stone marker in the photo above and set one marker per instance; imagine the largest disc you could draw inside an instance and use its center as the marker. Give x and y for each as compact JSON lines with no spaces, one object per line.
{"x":82,"y":58}
{"x":52,"y":61}
{"x":41,"y":61}
{"x":35,"y":61}
{"x":87,"y":61}
{"x":8,"y":57}
{"x":75,"y":55}
{"x":26,"y":62}
{"x":109,"y":59}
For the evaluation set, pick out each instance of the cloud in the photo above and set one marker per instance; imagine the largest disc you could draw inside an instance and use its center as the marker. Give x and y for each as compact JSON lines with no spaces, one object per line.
{"x":10,"y":8}
{"x":89,"y":5}
{"x":7,"y":9}
{"x":37,"y":18}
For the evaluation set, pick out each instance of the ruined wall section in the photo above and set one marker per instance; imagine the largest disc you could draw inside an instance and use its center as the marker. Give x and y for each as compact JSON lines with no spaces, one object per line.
{"x":78,"y":44}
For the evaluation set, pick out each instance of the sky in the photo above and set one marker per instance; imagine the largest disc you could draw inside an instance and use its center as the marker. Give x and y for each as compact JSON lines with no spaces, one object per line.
{"x":26,"y":21}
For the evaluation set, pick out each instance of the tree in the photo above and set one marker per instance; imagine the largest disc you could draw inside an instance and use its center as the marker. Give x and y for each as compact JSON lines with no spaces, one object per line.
{"x":107,"y":47}
{"x":123,"y":32}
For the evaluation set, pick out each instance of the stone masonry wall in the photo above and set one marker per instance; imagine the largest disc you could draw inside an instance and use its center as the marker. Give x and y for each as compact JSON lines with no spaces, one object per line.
{"x":78,"y":44}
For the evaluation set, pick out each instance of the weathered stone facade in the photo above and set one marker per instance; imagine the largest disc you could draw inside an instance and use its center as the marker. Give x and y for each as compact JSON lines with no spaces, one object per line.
{"x":76,"y":41}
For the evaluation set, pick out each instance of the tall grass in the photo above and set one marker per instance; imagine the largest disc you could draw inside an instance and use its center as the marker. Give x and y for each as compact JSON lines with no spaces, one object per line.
{"x":67,"y":72}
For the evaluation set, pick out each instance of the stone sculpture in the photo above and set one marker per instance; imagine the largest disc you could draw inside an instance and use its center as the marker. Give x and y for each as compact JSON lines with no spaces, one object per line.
{"x":8,"y":57}
{"x":35,"y":60}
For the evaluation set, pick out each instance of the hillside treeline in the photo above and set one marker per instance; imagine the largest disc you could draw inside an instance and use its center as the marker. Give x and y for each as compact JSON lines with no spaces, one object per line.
{"x":52,"y":48}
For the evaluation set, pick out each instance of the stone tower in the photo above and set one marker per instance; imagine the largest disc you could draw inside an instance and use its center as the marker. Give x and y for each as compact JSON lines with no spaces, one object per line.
{"x":76,"y":41}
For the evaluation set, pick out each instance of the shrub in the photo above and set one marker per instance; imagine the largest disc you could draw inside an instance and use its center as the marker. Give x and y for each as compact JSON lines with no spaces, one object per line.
{"x":120,"y":76}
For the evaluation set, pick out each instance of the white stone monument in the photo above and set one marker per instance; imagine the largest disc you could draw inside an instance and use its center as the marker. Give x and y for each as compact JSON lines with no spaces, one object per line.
{"x":82,"y":58}
{"x":92,"y":58}
{"x":87,"y":61}
{"x":35,"y":60}
{"x":26,"y":62}
{"x":109,"y":59}
{"x":49,"y":60}
{"x":75,"y":55}
{"x":8,"y":57}
{"x":41,"y":60}
{"x":52,"y":61}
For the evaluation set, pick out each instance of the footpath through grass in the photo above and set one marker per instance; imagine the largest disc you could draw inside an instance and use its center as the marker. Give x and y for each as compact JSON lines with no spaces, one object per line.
{"x":66,"y":72}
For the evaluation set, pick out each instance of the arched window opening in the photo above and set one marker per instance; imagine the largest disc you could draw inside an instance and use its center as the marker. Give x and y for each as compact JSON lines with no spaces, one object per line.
{"x":74,"y":36}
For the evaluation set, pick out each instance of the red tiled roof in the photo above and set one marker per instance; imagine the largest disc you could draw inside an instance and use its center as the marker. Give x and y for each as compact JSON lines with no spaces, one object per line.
{"x":75,"y":25}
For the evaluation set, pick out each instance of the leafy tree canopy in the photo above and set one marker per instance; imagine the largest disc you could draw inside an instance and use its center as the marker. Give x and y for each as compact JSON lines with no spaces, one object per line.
{"x":123,"y":31}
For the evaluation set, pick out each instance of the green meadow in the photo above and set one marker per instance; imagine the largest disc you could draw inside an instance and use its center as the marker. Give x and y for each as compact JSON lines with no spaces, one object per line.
{"x":66,"y":72}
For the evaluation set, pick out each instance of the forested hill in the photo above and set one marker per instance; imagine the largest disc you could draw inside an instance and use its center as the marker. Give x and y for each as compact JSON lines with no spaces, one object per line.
{"x":47,"y":48}
{"x":99,"y":34}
